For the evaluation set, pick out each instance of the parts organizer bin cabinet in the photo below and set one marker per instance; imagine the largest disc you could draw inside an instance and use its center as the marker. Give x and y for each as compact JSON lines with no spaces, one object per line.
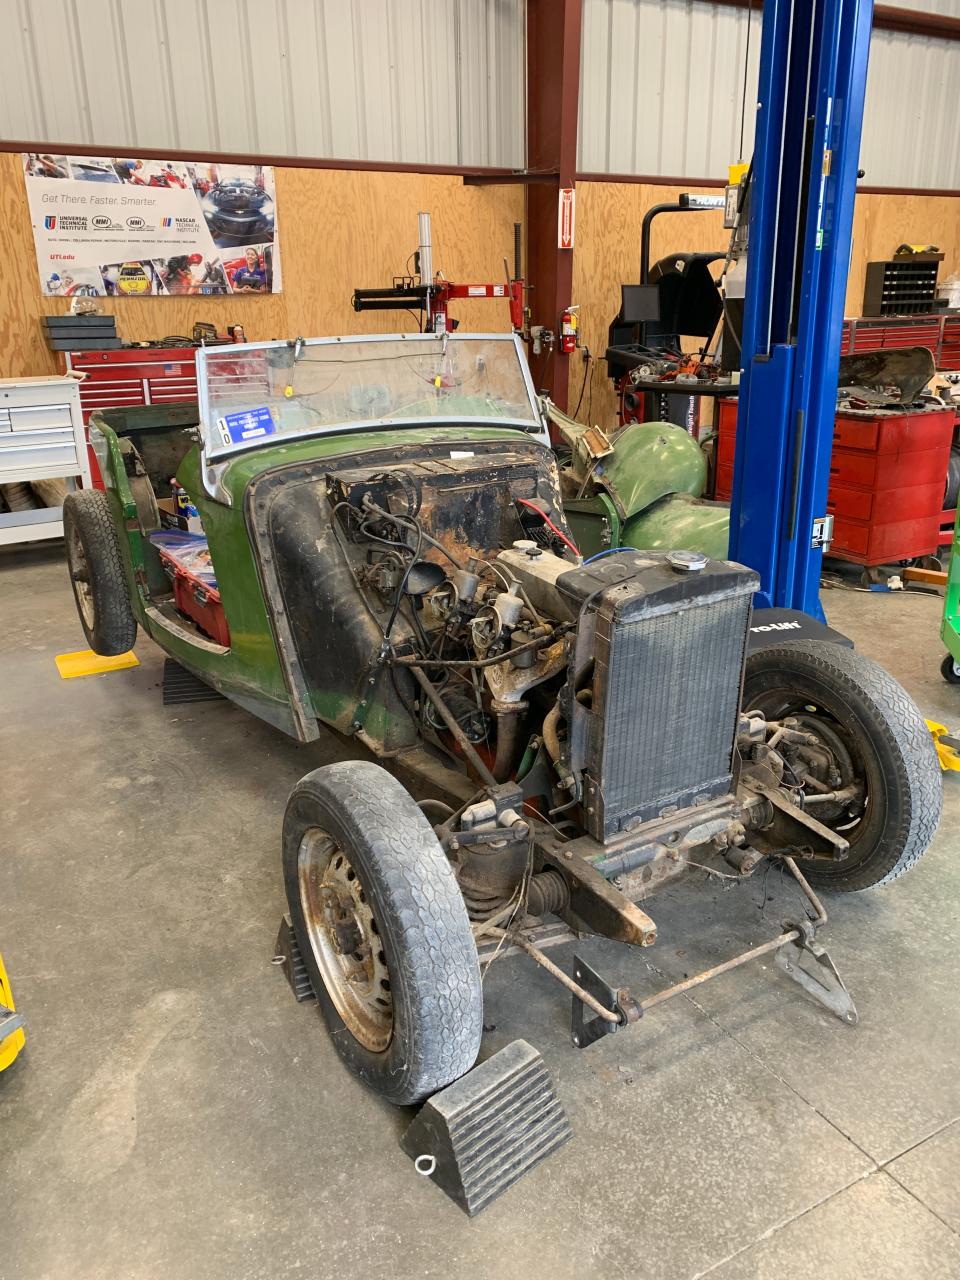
{"x":887,"y":479}
{"x":41,"y":438}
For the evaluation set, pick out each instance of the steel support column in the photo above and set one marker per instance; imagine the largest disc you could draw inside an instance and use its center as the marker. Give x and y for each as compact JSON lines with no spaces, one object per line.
{"x":553,"y":95}
{"x":813,"y":72}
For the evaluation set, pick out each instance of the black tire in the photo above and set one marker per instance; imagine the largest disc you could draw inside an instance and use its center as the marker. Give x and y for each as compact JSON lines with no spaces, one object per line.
{"x":19,"y":497}
{"x":356,"y":811}
{"x":96,"y":573}
{"x":867,"y":713}
{"x":950,"y":669}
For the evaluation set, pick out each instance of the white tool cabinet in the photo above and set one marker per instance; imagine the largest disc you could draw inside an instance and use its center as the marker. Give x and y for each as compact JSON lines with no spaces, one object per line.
{"x":41,"y":438}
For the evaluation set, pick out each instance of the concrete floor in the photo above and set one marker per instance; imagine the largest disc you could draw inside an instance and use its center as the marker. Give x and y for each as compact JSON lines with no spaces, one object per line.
{"x":177,"y":1115}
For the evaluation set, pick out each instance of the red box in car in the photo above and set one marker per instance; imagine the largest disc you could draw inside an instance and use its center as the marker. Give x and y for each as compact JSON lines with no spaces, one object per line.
{"x":186,"y":559}
{"x":201,"y":603}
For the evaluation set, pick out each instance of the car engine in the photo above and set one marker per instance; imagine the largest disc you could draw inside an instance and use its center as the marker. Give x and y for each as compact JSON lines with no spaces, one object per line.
{"x":580,"y":720}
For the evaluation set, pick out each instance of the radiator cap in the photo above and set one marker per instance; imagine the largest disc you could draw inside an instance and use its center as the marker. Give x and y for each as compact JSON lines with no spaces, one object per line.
{"x":686,"y":561}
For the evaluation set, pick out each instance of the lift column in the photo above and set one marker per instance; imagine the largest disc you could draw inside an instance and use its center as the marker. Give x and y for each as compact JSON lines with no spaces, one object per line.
{"x":813,"y":74}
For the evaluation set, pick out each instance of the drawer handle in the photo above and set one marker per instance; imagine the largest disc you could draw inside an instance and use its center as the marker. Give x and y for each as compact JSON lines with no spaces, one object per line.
{"x":32,"y":448}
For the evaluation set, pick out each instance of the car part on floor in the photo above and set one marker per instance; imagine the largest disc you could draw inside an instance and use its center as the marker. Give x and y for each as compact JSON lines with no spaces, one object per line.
{"x":480,"y":1135}
{"x":795,"y":951}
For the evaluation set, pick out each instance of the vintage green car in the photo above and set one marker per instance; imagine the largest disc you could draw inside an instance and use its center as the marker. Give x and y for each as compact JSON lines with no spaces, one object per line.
{"x":367,"y":534}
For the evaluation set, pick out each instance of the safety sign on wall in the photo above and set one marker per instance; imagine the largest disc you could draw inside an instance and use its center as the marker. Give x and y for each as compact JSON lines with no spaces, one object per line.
{"x":126,"y":227}
{"x":566,"y":218}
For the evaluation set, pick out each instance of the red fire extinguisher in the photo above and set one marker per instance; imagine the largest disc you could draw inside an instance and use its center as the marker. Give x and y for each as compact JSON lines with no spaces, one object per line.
{"x":569,"y":330}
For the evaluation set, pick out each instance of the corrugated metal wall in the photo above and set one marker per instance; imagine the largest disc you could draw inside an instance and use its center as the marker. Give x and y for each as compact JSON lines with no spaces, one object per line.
{"x":428,"y":81}
{"x":437,"y":82}
{"x":910,"y":133}
{"x":662,"y":83}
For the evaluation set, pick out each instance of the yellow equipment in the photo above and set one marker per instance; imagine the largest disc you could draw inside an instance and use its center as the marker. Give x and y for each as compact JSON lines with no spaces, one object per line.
{"x":946,"y":745}
{"x":11,"y":1023}
{"x":87,"y":663}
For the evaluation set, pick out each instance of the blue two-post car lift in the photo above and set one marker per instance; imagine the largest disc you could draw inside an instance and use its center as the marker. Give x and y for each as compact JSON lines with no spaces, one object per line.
{"x":812,"y":83}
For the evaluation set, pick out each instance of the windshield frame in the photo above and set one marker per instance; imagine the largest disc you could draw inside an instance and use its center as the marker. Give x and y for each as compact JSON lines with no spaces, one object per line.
{"x":214,"y":453}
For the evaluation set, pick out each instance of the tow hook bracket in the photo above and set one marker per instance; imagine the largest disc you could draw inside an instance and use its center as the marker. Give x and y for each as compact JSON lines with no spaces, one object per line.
{"x":617,"y":999}
{"x":809,"y":964}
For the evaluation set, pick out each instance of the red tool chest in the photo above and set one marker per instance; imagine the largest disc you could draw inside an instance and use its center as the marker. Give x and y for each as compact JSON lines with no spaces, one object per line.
{"x":887,"y":477}
{"x":132,"y":376}
{"x":940,"y":332}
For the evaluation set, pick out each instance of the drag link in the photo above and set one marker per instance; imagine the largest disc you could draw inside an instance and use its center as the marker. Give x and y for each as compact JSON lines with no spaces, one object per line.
{"x":585,"y":997}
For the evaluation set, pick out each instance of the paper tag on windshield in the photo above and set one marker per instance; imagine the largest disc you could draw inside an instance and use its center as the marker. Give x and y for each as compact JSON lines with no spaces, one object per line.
{"x":251,"y":424}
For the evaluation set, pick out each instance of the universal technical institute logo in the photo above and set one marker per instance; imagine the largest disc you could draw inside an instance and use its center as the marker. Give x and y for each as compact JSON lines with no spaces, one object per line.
{"x":65,"y":222}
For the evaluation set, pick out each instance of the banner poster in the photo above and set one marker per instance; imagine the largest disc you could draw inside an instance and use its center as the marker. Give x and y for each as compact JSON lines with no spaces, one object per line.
{"x":123,"y":227}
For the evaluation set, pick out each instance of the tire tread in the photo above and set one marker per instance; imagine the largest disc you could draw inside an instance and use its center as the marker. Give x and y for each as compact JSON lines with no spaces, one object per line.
{"x":115,"y":628}
{"x":907,"y":745}
{"x":420,"y":895}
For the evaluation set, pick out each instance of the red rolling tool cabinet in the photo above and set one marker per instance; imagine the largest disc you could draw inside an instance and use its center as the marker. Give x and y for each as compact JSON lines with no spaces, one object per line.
{"x":129,"y":376}
{"x":134,"y":375}
{"x":887,"y":478}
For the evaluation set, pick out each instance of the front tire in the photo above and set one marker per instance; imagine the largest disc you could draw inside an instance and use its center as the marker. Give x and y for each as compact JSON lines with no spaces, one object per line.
{"x":877,"y":736}
{"x":96,"y":573}
{"x":950,"y":669}
{"x":383,"y":931}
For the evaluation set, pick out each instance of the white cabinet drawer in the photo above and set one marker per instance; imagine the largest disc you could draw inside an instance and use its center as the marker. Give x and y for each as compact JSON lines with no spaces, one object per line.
{"x":58,"y":449}
{"x":40,"y":417}
{"x":37,"y":436}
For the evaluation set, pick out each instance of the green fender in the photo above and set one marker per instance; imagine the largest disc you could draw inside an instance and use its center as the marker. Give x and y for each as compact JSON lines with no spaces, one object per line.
{"x":680,"y":522}
{"x":648,"y":497}
{"x":651,"y":460}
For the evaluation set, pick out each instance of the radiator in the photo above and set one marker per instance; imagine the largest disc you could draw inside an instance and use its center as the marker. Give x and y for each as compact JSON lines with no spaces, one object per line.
{"x":667,"y":651}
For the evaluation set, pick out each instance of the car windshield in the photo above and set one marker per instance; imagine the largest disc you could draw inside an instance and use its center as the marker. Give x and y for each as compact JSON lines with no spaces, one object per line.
{"x":251,"y":394}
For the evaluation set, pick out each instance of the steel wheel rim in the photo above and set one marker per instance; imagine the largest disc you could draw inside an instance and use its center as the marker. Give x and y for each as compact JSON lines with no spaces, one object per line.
{"x":818,"y":716}
{"x":80,"y":576}
{"x":345,"y":940}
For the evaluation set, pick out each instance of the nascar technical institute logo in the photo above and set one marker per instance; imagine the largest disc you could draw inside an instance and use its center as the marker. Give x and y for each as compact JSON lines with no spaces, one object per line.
{"x":50,"y":223}
{"x":166,"y":222}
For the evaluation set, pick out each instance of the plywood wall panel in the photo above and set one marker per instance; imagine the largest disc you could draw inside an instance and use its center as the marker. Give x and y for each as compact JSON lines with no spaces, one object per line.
{"x":608,"y":254}
{"x":339,"y":229}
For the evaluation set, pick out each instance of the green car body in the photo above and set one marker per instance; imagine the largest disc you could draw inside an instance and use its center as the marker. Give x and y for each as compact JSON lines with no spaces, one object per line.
{"x":250,"y":671}
{"x":262,"y":669}
{"x":648,"y":498}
